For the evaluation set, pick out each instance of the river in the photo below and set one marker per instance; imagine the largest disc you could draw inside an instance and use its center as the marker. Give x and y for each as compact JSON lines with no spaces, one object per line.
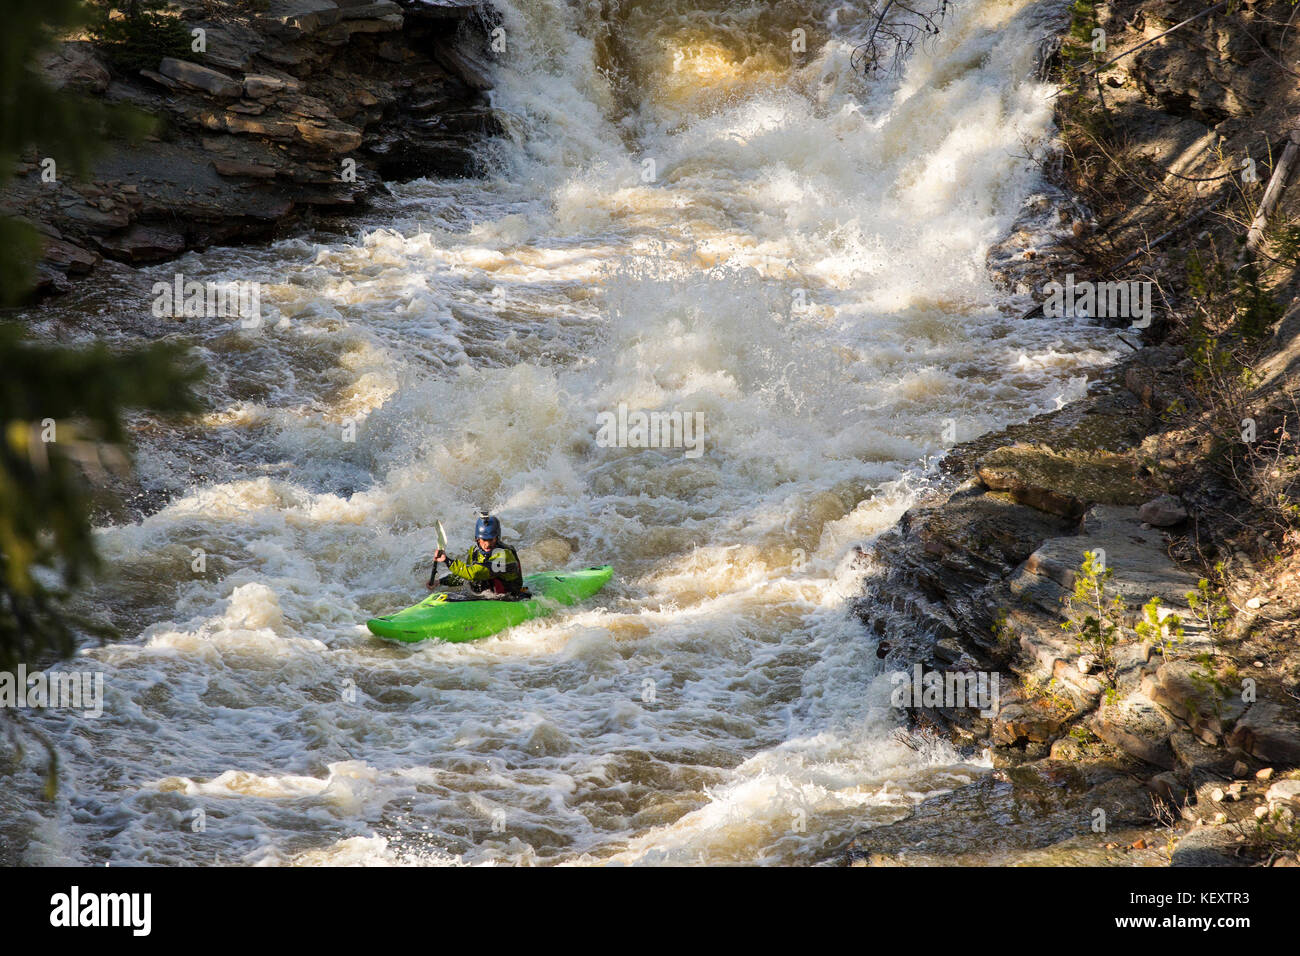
{"x":686,"y":215}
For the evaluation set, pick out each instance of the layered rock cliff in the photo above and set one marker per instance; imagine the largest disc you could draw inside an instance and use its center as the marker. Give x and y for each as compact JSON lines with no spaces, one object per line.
{"x":284,"y":110}
{"x":1180,"y":469}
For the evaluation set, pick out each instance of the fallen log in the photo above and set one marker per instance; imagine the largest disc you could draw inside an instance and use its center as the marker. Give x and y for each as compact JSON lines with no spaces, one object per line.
{"x":1273,"y":191}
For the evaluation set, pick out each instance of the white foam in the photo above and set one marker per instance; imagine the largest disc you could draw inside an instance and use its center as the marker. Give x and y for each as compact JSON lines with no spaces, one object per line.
{"x":469,"y":341}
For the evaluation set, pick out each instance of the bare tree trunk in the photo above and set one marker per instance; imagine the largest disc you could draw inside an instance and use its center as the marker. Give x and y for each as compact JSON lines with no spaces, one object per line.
{"x":1273,"y":191}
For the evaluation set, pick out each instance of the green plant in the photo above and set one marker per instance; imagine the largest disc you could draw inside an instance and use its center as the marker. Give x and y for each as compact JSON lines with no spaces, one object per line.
{"x":1003,"y":636}
{"x":137,"y":34}
{"x":61,"y":412}
{"x":1098,"y":631}
{"x":1210,"y":606}
{"x":1083,"y":20}
{"x":1274,"y":834}
{"x":1255,"y":308}
{"x":1286,"y":241}
{"x":54,"y":124}
{"x":1084,"y":737}
{"x":1048,"y":695}
{"x":1164,"y":632}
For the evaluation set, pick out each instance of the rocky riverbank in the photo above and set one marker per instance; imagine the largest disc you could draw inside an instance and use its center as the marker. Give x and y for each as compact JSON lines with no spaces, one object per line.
{"x":290,"y":109}
{"x":1154,"y":732}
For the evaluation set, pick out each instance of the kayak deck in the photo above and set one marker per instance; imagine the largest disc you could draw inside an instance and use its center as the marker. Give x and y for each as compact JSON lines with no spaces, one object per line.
{"x":459,"y":617}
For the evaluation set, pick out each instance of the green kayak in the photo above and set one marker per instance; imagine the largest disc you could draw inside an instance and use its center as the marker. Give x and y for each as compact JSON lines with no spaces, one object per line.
{"x":457,"y":617}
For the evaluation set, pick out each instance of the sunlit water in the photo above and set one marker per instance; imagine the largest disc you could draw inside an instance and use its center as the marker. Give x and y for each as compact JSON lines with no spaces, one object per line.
{"x":686,"y":216}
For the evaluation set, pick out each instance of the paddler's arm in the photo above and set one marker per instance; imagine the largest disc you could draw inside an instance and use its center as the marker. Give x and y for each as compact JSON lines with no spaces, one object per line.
{"x":440,"y":557}
{"x":474,"y":573}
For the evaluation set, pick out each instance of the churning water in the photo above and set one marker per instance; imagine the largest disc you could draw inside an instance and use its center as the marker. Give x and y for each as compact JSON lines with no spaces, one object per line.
{"x":686,"y":216}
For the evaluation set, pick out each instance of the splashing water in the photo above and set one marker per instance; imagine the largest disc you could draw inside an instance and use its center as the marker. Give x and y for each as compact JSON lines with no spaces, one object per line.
{"x":686,"y":216}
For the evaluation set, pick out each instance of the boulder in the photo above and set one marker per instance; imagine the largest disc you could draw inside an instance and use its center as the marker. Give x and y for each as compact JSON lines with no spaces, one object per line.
{"x":297,"y":18}
{"x":1194,"y":755}
{"x":1192,"y":694}
{"x":1269,"y":733}
{"x":69,"y":257}
{"x":1167,"y":785}
{"x":210,"y":81}
{"x":231,"y":45}
{"x":277,"y":129}
{"x":1026,"y":722}
{"x":1284,"y":790}
{"x":1135,"y":725}
{"x":261,"y":86}
{"x":115,"y":217}
{"x":1139,"y":559}
{"x":77,"y":67}
{"x":1163,"y":512}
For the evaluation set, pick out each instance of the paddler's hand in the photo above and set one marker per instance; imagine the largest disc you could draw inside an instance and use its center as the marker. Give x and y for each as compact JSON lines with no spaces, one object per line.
{"x":439,"y":556}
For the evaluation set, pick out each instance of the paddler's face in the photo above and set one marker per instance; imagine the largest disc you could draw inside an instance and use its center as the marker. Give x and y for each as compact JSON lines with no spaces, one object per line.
{"x":486,"y":543}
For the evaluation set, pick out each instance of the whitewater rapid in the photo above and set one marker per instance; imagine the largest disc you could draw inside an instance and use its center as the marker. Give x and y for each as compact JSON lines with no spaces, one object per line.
{"x":684,"y":216}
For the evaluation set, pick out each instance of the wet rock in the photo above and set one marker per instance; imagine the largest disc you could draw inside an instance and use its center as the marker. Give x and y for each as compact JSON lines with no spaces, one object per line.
{"x":1009,"y":813}
{"x":1017,"y":723}
{"x":472,"y":68}
{"x":1163,"y":512}
{"x":1061,"y":484}
{"x":69,"y":257}
{"x":143,"y":244}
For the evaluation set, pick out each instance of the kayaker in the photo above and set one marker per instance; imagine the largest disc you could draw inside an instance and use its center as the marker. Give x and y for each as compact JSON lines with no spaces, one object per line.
{"x":491,"y":568}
